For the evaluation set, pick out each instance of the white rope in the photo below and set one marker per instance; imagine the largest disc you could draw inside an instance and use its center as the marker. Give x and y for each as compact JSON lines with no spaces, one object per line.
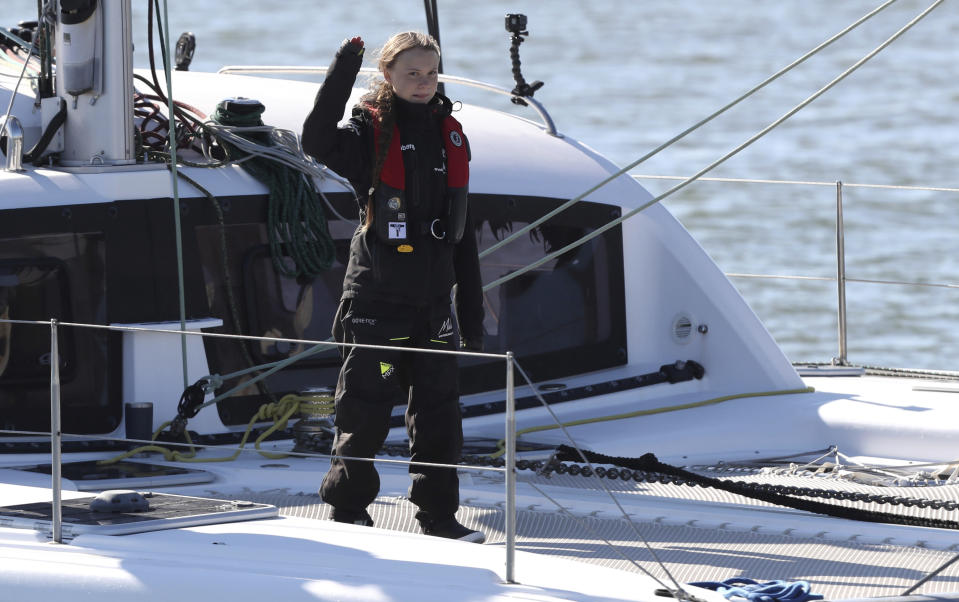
{"x":286,"y":148}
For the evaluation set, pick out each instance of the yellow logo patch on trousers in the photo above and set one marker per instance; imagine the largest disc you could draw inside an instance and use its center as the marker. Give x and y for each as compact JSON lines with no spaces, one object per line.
{"x":386,"y":370}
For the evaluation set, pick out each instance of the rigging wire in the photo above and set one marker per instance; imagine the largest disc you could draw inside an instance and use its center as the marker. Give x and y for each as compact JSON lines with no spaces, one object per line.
{"x":433,"y":28}
{"x":6,"y":116}
{"x":231,"y":302}
{"x":688,"y":130}
{"x":635,"y":529}
{"x":925,"y":579}
{"x":583,"y":523}
{"x":281,"y":146}
{"x":717,"y":162}
{"x":178,"y":227}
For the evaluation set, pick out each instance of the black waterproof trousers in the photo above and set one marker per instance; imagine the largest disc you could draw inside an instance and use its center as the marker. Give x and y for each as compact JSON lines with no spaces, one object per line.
{"x":372,"y":381}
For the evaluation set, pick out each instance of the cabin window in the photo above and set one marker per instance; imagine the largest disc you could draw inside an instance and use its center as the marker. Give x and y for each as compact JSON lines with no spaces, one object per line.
{"x":252,"y":298}
{"x":54,"y":276}
{"x":565,"y":317}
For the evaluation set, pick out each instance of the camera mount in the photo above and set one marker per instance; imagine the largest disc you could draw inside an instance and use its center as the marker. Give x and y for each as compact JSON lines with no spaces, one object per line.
{"x":516,"y":25}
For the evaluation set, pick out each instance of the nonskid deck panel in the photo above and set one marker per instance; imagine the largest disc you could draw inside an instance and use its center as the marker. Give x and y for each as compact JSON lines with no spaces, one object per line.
{"x":692,"y":551}
{"x":166,"y":512}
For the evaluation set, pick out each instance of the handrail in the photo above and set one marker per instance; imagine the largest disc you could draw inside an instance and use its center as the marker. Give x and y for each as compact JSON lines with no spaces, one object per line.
{"x":450,"y":79}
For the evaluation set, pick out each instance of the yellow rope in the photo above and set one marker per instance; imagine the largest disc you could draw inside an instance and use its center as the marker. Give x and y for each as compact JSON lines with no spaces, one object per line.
{"x":280,"y":412}
{"x":501,"y":444}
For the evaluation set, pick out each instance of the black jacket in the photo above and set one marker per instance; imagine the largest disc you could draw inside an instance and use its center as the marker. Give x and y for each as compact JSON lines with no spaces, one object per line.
{"x":376,"y":271}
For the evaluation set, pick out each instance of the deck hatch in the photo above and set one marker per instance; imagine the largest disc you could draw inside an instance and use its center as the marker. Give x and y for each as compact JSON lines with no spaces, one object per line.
{"x":166,"y":512}
{"x":127,"y":474}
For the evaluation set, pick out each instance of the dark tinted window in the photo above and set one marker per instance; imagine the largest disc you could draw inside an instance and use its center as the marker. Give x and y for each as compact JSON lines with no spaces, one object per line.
{"x":564,"y":317}
{"x":54,"y":276}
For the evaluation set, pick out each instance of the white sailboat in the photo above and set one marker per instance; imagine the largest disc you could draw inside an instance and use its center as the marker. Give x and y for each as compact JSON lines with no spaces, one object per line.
{"x":609,"y":330}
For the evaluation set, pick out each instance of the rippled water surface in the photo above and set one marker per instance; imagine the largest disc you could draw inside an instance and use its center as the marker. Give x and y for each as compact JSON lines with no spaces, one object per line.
{"x":625,"y":76}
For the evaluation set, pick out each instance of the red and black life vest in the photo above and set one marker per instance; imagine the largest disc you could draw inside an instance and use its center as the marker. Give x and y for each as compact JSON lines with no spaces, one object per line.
{"x":390,"y":215}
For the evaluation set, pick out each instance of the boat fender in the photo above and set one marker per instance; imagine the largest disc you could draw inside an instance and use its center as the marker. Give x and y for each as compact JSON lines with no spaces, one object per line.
{"x":119,"y":500}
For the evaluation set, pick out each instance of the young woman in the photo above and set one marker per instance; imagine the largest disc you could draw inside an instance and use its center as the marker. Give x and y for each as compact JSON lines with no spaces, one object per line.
{"x":407,"y":158}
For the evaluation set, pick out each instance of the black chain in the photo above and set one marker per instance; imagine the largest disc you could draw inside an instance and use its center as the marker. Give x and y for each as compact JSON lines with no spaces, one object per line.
{"x":769,"y":493}
{"x":647,"y":477}
{"x":642,"y":476}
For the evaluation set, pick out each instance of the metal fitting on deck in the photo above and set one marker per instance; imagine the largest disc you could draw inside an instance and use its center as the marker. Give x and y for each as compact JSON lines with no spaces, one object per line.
{"x":13,"y":133}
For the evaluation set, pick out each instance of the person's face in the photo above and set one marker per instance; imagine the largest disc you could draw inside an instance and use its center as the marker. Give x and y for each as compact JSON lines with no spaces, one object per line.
{"x":413,"y":75}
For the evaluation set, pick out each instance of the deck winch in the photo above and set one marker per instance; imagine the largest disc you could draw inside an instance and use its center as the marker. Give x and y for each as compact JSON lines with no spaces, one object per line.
{"x":313,"y":432}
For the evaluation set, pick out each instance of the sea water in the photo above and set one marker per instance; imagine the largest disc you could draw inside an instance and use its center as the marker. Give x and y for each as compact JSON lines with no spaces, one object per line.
{"x":625,"y":76}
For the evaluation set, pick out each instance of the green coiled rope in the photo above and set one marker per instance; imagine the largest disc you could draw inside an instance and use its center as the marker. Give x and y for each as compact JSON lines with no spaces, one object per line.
{"x":296,"y":223}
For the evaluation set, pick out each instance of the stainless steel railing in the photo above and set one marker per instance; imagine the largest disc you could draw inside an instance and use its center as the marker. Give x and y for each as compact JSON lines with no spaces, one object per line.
{"x":841,"y":278}
{"x":56,"y":435}
{"x":449,"y":79}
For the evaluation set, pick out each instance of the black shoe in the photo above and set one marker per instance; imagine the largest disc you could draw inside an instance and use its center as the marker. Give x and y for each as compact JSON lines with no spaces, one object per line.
{"x":348,"y":516}
{"x":450,"y":528}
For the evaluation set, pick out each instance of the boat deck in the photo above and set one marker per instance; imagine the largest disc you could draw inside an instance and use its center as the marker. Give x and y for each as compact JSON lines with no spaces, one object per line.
{"x":699,"y":534}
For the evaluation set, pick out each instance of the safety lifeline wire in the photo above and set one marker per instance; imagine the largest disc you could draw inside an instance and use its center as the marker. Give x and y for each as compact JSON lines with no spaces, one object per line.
{"x":685,"y":132}
{"x":721,"y":160}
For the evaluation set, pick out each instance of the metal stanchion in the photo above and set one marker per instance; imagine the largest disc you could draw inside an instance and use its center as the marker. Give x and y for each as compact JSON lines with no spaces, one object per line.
{"x":55,"y":435}
{"x":510,"y":470}
{"x":841,"y":276}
